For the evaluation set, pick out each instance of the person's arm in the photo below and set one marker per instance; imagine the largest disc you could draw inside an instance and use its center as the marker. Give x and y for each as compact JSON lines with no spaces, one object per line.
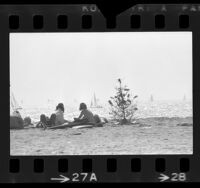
{"x":81,"y":114}
{"x":66,"y":121}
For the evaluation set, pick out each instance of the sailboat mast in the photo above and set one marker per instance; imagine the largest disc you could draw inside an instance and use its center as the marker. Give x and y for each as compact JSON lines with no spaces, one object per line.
{"x":95,"y":100}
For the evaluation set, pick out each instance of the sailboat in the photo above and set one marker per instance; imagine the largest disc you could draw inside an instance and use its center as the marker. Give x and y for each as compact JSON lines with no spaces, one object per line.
{"x":13,"y":103}
{"x":94,"y":102}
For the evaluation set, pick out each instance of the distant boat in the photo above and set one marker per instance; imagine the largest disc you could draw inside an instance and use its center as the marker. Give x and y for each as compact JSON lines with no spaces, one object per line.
{"x":94,"y":102}
{"x":151,"y":98}
{"x":13,"y":103}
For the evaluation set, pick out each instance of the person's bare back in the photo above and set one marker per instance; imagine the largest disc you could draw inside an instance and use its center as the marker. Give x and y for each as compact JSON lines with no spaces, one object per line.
{"x":87,"y":114}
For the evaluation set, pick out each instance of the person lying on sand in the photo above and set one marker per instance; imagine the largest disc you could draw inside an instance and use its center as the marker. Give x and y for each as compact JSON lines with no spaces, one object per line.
{"x":17,"y":122}
{"x":16,"y":113}
{"x":56,"y":118}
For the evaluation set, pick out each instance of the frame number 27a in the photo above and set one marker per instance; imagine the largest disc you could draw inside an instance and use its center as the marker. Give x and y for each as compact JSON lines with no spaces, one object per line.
{"x":76,"y":177}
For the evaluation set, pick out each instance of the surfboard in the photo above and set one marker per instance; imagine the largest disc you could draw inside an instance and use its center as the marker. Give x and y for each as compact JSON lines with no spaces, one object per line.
{"x":63,"y":126}
{"x":82,"y":126}
{"x":70,"y":125}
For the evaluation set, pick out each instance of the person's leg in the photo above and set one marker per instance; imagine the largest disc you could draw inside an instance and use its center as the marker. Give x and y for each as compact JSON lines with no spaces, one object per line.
{"x":97,"y":119}
{"x":52,"y":121}
{"x":43,"y":121}
{"x":38,"y":125}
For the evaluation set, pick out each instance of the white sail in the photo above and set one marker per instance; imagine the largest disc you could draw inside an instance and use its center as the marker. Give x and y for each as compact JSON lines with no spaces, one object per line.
{"x":95,"y":100}
{"x":94,"y":103}
{"x":13,"y":103}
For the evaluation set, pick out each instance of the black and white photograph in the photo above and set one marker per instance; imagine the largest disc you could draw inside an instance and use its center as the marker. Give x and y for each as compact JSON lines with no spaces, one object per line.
{"x":101,"y":93}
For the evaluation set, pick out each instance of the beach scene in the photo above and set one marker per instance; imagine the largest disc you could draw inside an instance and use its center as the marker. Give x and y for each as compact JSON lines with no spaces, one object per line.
{"x":158,"y":131}
{"x":98,"y":94}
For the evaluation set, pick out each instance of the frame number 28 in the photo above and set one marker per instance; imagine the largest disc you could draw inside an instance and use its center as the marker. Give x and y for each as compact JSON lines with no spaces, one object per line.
{"x":178,"y":177}
{"x":175,"y":177}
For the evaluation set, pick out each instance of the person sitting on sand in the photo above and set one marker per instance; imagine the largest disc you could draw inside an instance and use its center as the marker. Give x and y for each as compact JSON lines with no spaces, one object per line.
{"x":85,"y":117}
{"x":56,"y":118}
{"x":60,"y":114}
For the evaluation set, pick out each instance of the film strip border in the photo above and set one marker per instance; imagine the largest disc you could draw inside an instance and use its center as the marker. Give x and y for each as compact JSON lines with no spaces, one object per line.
{"x":87,"y":22}
{"x":87,"y":18}
{"x":104,"y":169}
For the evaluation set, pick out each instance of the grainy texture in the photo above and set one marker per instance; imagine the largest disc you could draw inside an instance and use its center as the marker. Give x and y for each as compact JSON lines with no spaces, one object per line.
{"x":158,"y":135}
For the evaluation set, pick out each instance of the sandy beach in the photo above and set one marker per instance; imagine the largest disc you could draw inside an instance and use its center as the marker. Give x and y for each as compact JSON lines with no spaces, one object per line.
{"x":154,"y":135}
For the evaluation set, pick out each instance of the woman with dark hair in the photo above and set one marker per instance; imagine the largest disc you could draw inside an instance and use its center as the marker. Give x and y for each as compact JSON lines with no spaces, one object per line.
{"x":60,"y":114}
{"x":60,"y":106}
{"x":56,"y":118}
{"x":85,"y":117}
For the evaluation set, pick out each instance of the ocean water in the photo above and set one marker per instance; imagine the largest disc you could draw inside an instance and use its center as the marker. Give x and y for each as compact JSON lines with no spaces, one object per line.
{"x":145,"y":110}
{"x":165,"y":109}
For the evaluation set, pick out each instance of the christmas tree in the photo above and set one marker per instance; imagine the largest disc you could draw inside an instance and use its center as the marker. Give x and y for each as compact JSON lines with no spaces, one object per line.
{"x":123,"y":106}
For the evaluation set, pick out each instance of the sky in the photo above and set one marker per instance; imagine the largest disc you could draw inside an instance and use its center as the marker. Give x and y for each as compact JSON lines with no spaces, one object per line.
{"x":71,"y":67}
